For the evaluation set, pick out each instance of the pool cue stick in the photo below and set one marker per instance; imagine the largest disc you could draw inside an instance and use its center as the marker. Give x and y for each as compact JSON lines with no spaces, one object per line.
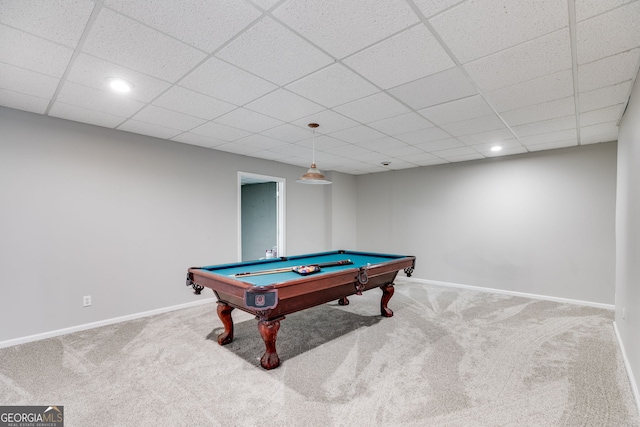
{"x":286,"y":269}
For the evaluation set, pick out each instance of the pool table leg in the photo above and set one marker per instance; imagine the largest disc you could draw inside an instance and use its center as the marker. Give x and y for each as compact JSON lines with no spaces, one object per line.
{"x":224,"y":313}
{"x":269,"y":332}
{"x":387,"y":293}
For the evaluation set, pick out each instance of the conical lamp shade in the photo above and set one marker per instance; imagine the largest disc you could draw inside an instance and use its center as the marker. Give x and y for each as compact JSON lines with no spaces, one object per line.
{"x":313,"y":176}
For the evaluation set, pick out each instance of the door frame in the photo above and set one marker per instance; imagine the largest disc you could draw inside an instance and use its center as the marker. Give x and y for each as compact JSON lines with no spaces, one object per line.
{"x":245,"y":177}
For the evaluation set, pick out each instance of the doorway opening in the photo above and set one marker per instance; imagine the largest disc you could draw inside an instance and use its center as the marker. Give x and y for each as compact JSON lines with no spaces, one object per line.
{"x":261,"y":216}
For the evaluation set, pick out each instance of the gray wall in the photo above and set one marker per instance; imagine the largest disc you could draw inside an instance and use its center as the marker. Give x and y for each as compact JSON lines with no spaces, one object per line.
{"x":540,"y":223}
{"x":259,"y":219}
{"x":628,"y":235}
{"x":92,"y":211}
{"x":341,"y":210}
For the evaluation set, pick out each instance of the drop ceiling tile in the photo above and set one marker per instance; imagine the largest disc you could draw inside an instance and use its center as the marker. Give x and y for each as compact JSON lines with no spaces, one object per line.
{"x":167,"y":118}
{"x":436,"y":89}
{"x":490,"y":136}
{"x":357,"y":134}
{"x":274,"y":53}
{"x":350,"y":150}
{"x":346,"y":163}
{"x":400,"y":151}
{"x":224,"y":81}
{"x":362,"y":171}
{"x":536,"y":113}
{"x":322,"y":142}
{"x":410,"y":55}
{"x":552,"y":145}
{"x":442,"y":144}
{"x":221,"y":132}
{"x":458,"y":110}
{"x":545,"y":55}
{"x":95,"y":72}
{"x":465,"y":158}
{"x":477,"y":125}
{"x":59,"y":21}
{"x":508,"y":151}
{"x":21,"y":101}
{"x":604,"y":97}
{"x":545,"y":126}
{"x":613,"y":32}
{"x":475,"y":29}
{"x":295,"y":150}
{"x":83,"y":115}
{"x":544,"y":138}
{"x":589,"y":8}
{"x":607,"y":114}
{"x":454,"y":152}
{"x":248,"y":120}
{"x":486,"y":147}
{"x":423,"y":135}
{"x":284,"y":105}
{"x":28,"y":82}
{"x":97,"y":100}
{"x":232,"y":147}
{"x":374,"y":158}
{"x":193,"y":103}
{"x":598,"y":138}
{"x":429,"y":162}
{"x":544,"y":89}
{"x":270,"y":155}
{"x":372,"y":108}
{"x":323,"y":157}
{"x":33,"y":53}
{"x":288,"y":133}
{"x":607,"y":128}
{"x":261,"y":141}
{"x":265,"y":4}
{"x":202,"y":141}
{"x":295,"y":160}
{"x":148,"y":129}
{"x":433,"y":7}
{"x":419,"y":156}
{"x":329,"y":122}
{"x":608,"y":71}
{"x":203,"y":24}
{"x":124,"y":41}
{"x":383,"y":144}
{"x":333,"y":86}
{"x":399,"y":164}
{"x":329,"y":23}
{"x":401,"y":124}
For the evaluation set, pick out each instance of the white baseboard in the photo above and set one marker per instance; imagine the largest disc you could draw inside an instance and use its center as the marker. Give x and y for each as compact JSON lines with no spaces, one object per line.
{"x":627,"y":365}
{"x":517,"y":294}
{"x":58,"y":332}
{"x":50,"y":334}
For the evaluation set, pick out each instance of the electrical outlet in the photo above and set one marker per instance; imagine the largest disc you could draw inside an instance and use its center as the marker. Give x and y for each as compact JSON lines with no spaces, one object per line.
{"x":86,"y":300}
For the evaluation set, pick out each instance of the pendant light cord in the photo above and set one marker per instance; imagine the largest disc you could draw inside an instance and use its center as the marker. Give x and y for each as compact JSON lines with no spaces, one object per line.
{"x":313,"y":146}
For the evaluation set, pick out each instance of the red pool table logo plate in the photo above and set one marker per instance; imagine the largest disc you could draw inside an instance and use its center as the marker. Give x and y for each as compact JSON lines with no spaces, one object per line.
{"x":261,"y":299}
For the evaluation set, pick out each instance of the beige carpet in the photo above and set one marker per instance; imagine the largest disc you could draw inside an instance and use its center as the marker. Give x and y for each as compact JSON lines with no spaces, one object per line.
{"x":447,"y":358}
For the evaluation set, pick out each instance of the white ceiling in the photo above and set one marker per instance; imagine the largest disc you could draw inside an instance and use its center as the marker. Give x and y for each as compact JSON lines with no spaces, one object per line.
{"x":411,"y":82}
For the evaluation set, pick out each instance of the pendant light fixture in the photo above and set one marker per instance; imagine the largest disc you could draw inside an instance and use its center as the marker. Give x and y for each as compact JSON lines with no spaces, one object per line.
{"x":313,"y":175}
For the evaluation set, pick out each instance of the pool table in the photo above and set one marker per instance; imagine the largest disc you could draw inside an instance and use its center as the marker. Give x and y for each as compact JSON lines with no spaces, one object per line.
{"x":270,"y":289}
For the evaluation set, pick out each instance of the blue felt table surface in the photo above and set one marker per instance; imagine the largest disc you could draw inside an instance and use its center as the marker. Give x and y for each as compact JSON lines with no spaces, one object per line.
{"x":359,"y":259}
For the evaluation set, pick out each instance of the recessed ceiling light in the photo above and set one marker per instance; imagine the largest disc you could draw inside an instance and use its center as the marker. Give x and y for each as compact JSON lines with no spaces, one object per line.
{"x":496,"y":148}
{"x":119,"y":85}
{"x":385,"y":163}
